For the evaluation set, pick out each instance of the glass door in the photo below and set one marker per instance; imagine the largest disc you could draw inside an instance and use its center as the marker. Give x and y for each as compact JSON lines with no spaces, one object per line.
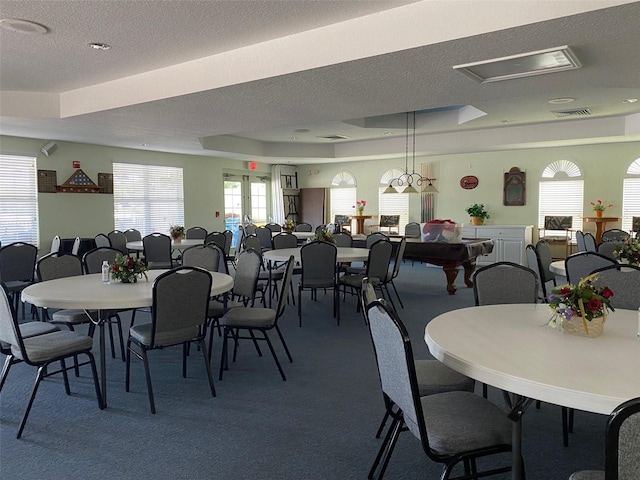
{"x":246,"y":197}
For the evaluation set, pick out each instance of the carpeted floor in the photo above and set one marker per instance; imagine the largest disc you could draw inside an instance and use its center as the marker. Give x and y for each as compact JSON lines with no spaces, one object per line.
{"x":318,"y":425}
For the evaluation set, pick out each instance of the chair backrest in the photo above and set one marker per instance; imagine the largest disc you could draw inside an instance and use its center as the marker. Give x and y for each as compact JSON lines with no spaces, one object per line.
{"x":284,"y":288}
{"x":180,"y":304}
{"x":590,"y":243}
{"x":557,"y":222}
{"x":544,"y":254}
{"x":399,"y":257}
{"x":217,"y":238}
{"x":264,"y":235}
{"x":379,"y":260}
{"x":319,"y":228}
{"x":389,"y":220}
{"x":368,"y":295}
{"x":318,"y":260}
{"x":580,"y":241}
{"x":374,"y":237}
{"x":196,"y":233}
{"x":9,"y":331}
{"x":607,"y":248}
{"x":17,"y":262}
{"x":58,"y":265}
{"x":533,"y":262}
{"x":615,"y":235}
{"x":102,"y":240}
{"x":304,"y":227}
{"x":76,"y":246}
{"x":157,"y":248}
{"x":132,"y":235}
{"x":505,"y":282}
{"x":118,"y":241}
{"x":396,"y":366}
{"x":203,"y":256}
{"x":581,"y":264}
{"x":55,"y":245}
{"x":248,"y":266}
{"x":622,"y":456}
{"x":250,"y":229}
{"x":412,"y":229}
{"x":228,"y":234}
{"x":285,"y":240}
{"x":92,"y":260}
{"x":274,"y":227}
{"x":624,"y":282}
{"x":252,"y":241}
{"x":340,"y":220}
{"x":343,"y":239}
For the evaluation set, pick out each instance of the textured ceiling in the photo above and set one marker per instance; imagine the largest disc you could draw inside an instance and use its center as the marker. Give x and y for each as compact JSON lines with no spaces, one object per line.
{"x":236,"y":79}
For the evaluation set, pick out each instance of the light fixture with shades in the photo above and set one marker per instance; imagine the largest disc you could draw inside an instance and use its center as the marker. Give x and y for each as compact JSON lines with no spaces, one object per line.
{"x":413,"y":178}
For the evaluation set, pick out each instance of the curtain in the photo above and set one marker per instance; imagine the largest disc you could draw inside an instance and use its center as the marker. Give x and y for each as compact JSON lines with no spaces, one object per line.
{"x":277,"y":199}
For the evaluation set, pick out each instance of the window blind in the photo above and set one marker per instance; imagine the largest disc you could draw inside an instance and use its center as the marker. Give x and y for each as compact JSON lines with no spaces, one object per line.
{"x":563,"y":197}
{"x":149,"y":198}
{"x":18,"y":200}
{"x":394,"y":204}
{"x":343,"y":201}
{"x":630,"y":201}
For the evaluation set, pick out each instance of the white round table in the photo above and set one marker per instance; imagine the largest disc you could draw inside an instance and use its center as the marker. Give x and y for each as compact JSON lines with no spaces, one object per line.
{"x":89,"y":293}
{"x":181,"y":245}
{"x":344,"y":254}
{"x":509,"y":347}
{"x":558,"y":268}
{"x":303,"y":235}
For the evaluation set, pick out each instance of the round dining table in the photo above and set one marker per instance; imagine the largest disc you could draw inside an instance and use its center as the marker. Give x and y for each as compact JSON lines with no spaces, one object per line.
{"x":179,"y":245}
{"x":558,"y":268}
{"x":87,"y":292}
{"x":511,"y":348}
{"x":344,"y":254}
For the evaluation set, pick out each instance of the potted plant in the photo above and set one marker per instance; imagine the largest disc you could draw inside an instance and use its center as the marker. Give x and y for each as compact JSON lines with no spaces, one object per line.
{"x":477,"y":213}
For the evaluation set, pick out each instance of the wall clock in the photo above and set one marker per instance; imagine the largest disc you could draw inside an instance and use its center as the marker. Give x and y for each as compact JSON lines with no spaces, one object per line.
{"x":469,"y":182}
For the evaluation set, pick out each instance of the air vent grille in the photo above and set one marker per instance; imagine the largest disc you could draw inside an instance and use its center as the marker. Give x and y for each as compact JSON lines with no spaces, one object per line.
{"x":576,"y":112}
{"x":335,"y":137}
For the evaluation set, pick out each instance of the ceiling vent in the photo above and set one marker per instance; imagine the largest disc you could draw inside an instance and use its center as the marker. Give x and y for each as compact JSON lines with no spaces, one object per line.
{"x":576,"y":112}
{"x":335,"y":137}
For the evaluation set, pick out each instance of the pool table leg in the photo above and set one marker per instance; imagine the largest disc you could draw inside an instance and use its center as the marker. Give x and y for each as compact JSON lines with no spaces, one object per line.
{"x":451,"y":271}
{"x":469,"y":268}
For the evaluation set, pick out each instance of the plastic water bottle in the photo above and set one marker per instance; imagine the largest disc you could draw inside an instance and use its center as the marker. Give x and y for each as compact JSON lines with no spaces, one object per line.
{"x":105,"y":272}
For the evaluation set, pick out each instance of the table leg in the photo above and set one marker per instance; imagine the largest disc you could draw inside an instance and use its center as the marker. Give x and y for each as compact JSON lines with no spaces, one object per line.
{"x":103,"y":365}
{"x":518,"y":405}
{"x":451,"y":271}
{"x":469,"y":267}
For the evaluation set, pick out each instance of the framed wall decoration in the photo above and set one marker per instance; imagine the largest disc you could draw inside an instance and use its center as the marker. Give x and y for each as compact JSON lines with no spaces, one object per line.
{"x":47,"y":181}
{"x":514,"y":187}
{"x":105,"y":182}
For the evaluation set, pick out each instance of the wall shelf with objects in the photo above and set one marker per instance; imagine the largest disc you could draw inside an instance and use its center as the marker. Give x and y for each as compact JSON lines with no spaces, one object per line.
{"x":509,"y":242}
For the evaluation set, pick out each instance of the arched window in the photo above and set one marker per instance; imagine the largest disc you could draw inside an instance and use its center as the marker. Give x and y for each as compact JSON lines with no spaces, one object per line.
{"x":342,"y":195}
{"x":393,"y":204}
{"x":631,"y":195}
{"x":561,"y":192}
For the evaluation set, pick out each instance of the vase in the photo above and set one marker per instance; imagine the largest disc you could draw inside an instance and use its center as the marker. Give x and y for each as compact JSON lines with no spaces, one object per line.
{"x":177,"y":239}
{"x":477,"y":221}
{"x":599,"y":213}
{"x":360,"y":212}
{"x":575,"y":326}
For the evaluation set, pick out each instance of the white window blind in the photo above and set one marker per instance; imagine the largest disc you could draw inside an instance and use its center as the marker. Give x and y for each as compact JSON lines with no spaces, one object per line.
{"x":18,"y":200}
{"x":149,"y":198}
{"x":561,"y":198}
{"x":630,"y":201}
{"x":343,"y":201}
{"x":393,"y":204}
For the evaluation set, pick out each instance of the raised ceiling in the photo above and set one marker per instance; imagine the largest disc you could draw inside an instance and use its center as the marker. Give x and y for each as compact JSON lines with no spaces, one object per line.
{"x":271,"y":80}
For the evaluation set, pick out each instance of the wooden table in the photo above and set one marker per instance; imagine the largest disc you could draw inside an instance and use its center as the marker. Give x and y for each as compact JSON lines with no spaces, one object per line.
{"x":509,"y":347}
{"x":601,"y":223}
{"x":360,"y":221}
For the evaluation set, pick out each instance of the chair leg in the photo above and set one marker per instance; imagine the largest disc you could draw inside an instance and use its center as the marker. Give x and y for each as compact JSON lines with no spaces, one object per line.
{"x":255,"y":344}
{"x":184,"y":359}
{"x":386,"y":449}
{"x":111,"y":344}
{"x":96,"y":384}
{"x":207,"y":365}
{"x":31,"y":399}
{"x":397,"y":294}
{"x":382,"y":424}
{"x":65,"y":377}
{"x":275,"y":357}
{"x":299,"y":306}
{"x":223,"y":359}
{"x":10,"y":360}
{"x":284,"y":344}
{"x":565,"y":427}
{"x":147,"y":373}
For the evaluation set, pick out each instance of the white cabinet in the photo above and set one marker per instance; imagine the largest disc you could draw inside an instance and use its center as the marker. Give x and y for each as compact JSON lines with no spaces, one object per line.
{"x":509,"y":242}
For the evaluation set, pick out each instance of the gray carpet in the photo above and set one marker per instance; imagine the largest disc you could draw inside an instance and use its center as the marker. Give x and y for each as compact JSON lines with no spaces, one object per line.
{"x":319,"y":424}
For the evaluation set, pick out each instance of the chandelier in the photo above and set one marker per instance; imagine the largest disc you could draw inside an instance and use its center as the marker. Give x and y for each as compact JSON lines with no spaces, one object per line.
{"x":413,"y":178}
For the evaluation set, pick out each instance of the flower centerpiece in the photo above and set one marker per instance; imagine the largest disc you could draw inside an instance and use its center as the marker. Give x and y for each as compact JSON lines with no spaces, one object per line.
{"x":288,"y":225}
{"x":128,"y":269}
{"x":600,"y":207}
{"x":176,"y":232}
{"x":580,"y":309}
{"x":323,"y":235}
{"x":360,"y":204}
{"x":478,"y":213}
{"x":628,"y":252}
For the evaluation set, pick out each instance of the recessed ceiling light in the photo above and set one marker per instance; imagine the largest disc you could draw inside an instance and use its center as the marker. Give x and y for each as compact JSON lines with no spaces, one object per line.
{"x":99,"y":46}
{"x":630,"y":100}
{"x":561,"y":100}
{"x":23,"y":26}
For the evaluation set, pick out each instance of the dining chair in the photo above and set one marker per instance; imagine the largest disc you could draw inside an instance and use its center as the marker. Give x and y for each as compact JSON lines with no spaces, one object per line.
{"x":256,"y":319}
{"x":250,"y":229}
{"x":590,"y":243}
{"x":229,"y":257}
{"x":455,"y":427}
{"x":217,"y":238}
{"x":274,"y":274}
{"x":118,"y":241}
{"x":132,"y":235}
{"x":55,"y":245}
{"x":17,"y":267}
{"x":390,"y":222}
{"x":607,"y":248}
{"x":432,"y":377}
{"x":178,"y":317}
{"x":615,"y":235}
{"x":392,"y":274}
{"x":274,"y":227}
{"x":412,"y":229}
{"x":622,"y":455}
{"x":264,"y":235}
{"x":75,"y":249}
{"x":582,"y":247}
{"x":284,"y":240}
{"x":203,"y":256}
{"x":624,"y":282}
{"x":318,"y":264}
{"x":535,"y":264}
{"x":157,"y":251}
{"x":343,"y":239}
{"x":102,"y":240}
{"x":41,"y":351}
{"x":544,"y":254}
{"x":196,"y":233}
{"x":581,"y":264}
{"x":556,"y":230}
{"x":304,"y":227}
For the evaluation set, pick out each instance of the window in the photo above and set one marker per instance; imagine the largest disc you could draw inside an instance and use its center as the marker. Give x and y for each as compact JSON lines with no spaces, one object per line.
{"x":631,"y":195}
{"x":18,"y":200}
{"x":148,"y":198}
{"x":342,"y":195}
{"x":394,"y":204}
{"x":259,"y":203}
{"x":561,"y":192}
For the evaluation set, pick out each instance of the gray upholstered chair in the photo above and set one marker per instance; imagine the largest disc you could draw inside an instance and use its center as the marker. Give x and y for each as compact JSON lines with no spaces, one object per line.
{"x":505,"y":282}
{"x":318,"y":261}
{"x":343,"y":239}
{"x":579,"y":265}
{"x":607,"y":248}
{"x":196,"y":233}
{"x":42,"y":350}
{"x":622,"y":454}
{"x":374,"y":237}
{"x":624,"y":282}
{"x":132,"y":235}
{"x":284,"y":240}
{"x":178,"y":317}
{"x":393,"y":273}
{"x":580,"y":241}
{"x":432,"y":377}
{"x":102,"y":240}
{"x":590,"y":243}
{"x":544,"y":254}
{"x":264,"y":235}
{"x":203,"y":256}
{"x":255,"y":319}
{"x":556,"y":230}
{"x":229,"y":257}
{"x":535,"y":264}
{"x":452,"y":427}
{"x":218,"y":238}
{"x":118,"y":241}
{"x":157,"y":251}
{"x":304,"y":227}
{"x":17,"y":265}
{"x":615,"y":235}
{"x":274,"y":227}
{"x":250,"y":229}
{"x":412,"y":229}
